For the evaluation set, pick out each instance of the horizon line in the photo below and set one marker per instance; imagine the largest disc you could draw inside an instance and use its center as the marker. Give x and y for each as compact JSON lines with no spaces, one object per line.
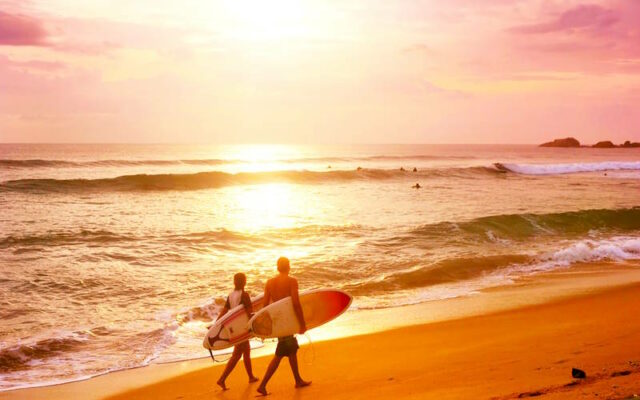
{"x":274,"y":143}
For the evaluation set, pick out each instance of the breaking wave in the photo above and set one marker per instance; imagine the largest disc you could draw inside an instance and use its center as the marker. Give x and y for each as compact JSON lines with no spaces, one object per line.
{"x":522,"y":226}
{"x":502,"y":228}
{"x":556,"y":169}
{"x":216,"y":179}
{"x":21,"y":356}
{"x":501,"y":268}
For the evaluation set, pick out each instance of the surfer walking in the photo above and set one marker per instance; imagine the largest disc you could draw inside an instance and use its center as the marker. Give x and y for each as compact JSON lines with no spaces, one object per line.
{"x":277,"y":288}
{"x":241,"y":350}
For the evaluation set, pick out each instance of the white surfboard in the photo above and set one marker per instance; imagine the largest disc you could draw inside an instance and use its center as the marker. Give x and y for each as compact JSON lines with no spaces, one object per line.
{"x":319,"y":306}
{"x":232,"y":328}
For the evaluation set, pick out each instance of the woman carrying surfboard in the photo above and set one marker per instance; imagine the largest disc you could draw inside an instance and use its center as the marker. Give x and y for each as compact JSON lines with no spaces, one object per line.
{"x":277,"y":288}
{"x":235,"y":298}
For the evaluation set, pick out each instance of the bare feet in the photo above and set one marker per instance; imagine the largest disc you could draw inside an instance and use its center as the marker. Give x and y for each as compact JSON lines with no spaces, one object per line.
{"x":262,"y":391}
{"x":222,"y":385}
{"x":302,"y":383}
{"x":253,"y":379}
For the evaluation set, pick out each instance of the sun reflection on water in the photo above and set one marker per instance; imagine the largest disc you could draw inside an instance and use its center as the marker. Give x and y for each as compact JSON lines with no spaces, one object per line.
{"x":268,"y":206}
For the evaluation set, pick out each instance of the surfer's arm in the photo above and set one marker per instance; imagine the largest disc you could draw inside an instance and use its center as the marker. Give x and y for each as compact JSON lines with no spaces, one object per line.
{"x":297,"y":308}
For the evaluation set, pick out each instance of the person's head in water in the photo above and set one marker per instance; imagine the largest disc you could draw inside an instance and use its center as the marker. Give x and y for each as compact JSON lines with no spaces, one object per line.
{"x":239,"y":280}
{"x":283,"y":265}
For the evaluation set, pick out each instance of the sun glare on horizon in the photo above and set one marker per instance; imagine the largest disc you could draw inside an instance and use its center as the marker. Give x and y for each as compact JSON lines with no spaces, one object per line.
{"x":261,"y":157}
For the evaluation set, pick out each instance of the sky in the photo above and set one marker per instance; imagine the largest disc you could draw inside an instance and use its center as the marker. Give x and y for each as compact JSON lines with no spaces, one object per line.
{"x":331,"y":71}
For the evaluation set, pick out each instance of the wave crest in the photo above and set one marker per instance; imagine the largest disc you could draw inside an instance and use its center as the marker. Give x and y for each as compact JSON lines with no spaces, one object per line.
{"x":556,"y":169}
{"x":216,"y":179}
{"x":21,"y":356}
{"x":445,"y":271}
{"x":521,"y":226}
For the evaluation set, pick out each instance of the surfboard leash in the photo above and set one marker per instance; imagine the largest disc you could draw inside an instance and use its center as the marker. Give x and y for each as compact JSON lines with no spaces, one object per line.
{"x":313,"y":350}
{"x":214,"y":360}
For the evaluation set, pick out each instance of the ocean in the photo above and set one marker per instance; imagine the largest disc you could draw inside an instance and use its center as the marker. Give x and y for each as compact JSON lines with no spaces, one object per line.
{"x":118,"y":256}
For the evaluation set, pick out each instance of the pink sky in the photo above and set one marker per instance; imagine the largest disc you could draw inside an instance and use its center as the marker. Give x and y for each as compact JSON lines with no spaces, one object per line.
{"x":287,"y":71}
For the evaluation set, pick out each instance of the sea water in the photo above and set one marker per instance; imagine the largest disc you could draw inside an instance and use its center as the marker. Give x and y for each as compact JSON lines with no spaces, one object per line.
{"x":117,"y":256}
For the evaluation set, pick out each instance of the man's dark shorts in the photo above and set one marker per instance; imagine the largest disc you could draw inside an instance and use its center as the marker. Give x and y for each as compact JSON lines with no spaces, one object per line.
{"x":287,"y":346}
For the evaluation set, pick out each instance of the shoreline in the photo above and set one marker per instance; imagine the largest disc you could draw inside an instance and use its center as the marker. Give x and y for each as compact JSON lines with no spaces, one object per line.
{"x":549,"y":290}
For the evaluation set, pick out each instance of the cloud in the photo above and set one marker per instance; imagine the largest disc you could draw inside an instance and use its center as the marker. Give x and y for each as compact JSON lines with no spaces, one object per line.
{"x":595,"y":38}
{"x":582,"y":17}
{"x":20,"y":30}
{"x":31,"y":65}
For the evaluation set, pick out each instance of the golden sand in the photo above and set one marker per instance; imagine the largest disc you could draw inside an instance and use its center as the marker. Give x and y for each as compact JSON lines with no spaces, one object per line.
{"x":519,"y":353}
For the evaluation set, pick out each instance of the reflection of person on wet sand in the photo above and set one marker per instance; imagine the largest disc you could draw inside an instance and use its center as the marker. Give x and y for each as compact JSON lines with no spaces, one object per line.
{"x":237,"y":297}
{"x":277,"y":288}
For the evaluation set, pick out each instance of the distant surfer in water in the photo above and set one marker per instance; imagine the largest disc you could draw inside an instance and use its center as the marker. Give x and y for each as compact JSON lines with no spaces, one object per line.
{"x":277,"y":288}
{"x":235,"y":298}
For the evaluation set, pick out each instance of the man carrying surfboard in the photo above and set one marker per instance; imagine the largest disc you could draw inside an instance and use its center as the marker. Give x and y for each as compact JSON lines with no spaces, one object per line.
{"x":277,"y":288}
{"x":235,"y":298}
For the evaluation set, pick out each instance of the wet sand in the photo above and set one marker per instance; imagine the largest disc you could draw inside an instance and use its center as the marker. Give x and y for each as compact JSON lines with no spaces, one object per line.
{"x":518,"y":353}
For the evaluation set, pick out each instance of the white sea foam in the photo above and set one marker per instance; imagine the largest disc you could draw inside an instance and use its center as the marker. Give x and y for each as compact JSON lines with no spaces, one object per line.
{"x":619,"y":248}
{"x":613,"y":249}
{"x":554,"y":169}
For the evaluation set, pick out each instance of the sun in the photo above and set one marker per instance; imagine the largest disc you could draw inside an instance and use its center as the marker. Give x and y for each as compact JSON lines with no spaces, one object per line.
{"x":264,"y":21}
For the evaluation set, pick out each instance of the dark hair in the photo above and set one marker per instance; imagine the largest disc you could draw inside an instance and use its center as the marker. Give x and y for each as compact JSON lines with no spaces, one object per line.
{"x":283,"y":264}
{"x":239,"y":280}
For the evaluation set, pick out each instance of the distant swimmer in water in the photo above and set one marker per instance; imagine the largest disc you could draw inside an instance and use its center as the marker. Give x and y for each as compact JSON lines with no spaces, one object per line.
{"x":402,"y":169}
{"x":416,"y":186}
{"x":415,"y":169}
{"x":329,"y":166}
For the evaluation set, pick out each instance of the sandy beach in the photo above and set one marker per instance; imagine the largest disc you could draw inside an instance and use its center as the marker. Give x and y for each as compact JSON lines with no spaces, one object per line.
{"x":510,"y":354}
{"x":524,"y":352}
